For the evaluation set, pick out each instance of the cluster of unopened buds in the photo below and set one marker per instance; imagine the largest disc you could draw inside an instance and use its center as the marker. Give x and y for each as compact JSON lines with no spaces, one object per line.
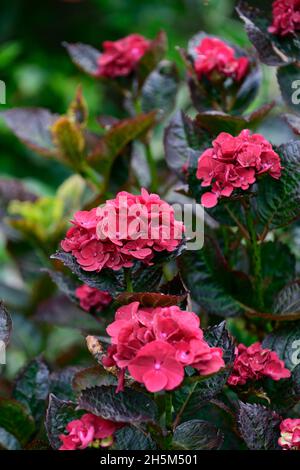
{"x":92,"y":299}
{"x":122,"y":231}
{"x":155,"y":344}
{"x":235,"y":163}
{"x":254,"y":363}
{"x":120,"y":58}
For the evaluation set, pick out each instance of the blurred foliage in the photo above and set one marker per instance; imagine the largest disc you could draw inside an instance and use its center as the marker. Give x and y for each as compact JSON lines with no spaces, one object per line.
{"x":37,"y":71}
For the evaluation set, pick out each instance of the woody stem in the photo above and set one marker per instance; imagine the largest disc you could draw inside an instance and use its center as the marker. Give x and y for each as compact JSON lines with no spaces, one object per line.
{"x":152,"y":168}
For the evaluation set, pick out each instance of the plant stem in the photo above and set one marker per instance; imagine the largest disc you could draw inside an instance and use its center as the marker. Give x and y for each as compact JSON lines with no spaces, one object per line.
{"x":90,"y":174}
{"x":168,"y":405}
{"x":255,"y":253}
{"x":168,"y":419}
{"x":129,"y":286}
{"x":152,"y":168}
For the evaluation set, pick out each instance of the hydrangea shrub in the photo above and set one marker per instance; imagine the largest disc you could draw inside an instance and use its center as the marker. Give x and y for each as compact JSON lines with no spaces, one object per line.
{"x":189,"y":349}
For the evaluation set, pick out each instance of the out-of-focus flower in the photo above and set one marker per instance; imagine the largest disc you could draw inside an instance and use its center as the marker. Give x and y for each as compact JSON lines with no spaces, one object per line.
{"x":286,"y":17}
{"x":290,"y":434}
{"x":216,"y":58}
{"x":92,"y":299}
{"x":88,"y":431}
{"x":254,"y":363}
{"x":120,"y":58}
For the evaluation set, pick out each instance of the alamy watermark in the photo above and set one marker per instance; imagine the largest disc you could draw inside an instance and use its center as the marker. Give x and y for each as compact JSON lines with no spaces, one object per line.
{"x":295,"y":358}
{"x":155,"y":222}
{"x":2,"y":353}
{"x":2,"y":92}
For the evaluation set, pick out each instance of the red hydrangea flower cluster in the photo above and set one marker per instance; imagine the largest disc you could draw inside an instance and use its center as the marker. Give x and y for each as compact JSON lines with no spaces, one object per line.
{"x":88,"y":431}
{"x":127,"y":228}
{"x":254,"y":363}
{"x":235,"y":162}
{"x":216,"y":57}
{"x":290,"y":434}
{"x":286,"y":17}
{"x":155,"y":344}
{"x":120,"y":58}
{"x":92,"y":299}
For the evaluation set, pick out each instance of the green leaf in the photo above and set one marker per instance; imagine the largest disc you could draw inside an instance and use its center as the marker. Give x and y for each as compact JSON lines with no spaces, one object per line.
{"x":61,"y":382}
{"x":132,"y":438}
{"x":108,"y":280}
{"x":32,"y":388}
{"x":209,"y":281}
{"x":249,"y":88}
{"x":278,"y":201}
{"x":15,"y":419}
{"x":128,"y":406}
{"x":287,"y":303}
{"x":59,"y":414}
{"x":11,"y":188}
{"x":27,"y":336}
{"x":108,"y":147}
{"x":153,"y":56}
{"x":65,"y":284}
{"x":259,"y":426}
{"x":32,"y":127}
{"x":183,"y":136}
{"x":84,"y":56}
{"x":5,"y":324}
{"x":60,"y":311}
{"x":285,"y":341}
{"x":191,"y":397}
{"x":160,"y":89}
{"x":8,"y":441}
{"x":69,"y":140}
{"x":286,"y":77}
{"x":197,"y":435}
{"x":278,"y":268}
{"x":293,"y":121}
{"x":78,"y":109}
{"x":147,"y":278}
{"x":217,"y":121}
{"x":91,"y":377}
{"x":285,"y":393}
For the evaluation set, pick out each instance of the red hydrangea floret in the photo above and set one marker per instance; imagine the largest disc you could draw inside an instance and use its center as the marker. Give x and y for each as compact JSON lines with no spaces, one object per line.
{"x":215,"y":57}
{"x":290,"y":434}
{"x":127,"y":228}
{"x":286,"y":17}
{"x":254,"y":363}
{"x":235,"y":162}
{"x":120,"y":58}
{"x":155,"y":344}
{"x":92,"y":299}
{"x":88,"y":431}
